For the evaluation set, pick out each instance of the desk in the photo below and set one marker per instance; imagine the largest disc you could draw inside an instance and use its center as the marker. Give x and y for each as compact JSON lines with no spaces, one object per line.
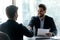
{"x":38,"y":38}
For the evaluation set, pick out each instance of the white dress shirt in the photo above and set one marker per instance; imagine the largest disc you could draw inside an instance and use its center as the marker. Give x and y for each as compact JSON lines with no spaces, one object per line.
{"x":41,"y":23}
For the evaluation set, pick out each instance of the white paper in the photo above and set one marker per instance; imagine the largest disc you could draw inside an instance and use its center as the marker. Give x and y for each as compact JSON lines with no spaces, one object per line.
{"x":42,"y":31}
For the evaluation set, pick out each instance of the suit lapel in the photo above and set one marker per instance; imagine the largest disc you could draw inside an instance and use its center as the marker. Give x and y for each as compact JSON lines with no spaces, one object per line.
{"x":45,"y":23}
{"x":38,"y":21}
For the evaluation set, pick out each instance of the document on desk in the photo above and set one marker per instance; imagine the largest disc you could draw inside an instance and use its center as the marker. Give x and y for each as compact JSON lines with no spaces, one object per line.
{"x":42,"y":31}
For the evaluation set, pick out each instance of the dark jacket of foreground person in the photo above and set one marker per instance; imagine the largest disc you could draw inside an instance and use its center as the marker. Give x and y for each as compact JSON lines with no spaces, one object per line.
{"x":15,"y":30}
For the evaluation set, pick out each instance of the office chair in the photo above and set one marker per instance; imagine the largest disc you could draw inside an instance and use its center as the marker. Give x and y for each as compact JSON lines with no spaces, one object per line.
{"x":4,"y":36}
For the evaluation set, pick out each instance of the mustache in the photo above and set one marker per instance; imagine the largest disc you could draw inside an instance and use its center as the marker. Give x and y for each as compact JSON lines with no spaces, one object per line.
{"x":40,"y":15}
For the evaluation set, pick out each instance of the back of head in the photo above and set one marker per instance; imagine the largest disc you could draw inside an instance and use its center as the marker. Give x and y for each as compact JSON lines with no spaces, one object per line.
{"x":4,"y":36}
{"x":11,"y":10}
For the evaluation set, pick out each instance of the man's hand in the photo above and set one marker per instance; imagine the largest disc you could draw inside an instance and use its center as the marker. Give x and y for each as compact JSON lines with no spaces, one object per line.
{"x":49,"y":34}
{"x":29,"y":28}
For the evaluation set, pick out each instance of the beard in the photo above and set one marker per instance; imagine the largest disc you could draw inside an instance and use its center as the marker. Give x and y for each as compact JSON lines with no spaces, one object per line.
{"x":41,"y":15}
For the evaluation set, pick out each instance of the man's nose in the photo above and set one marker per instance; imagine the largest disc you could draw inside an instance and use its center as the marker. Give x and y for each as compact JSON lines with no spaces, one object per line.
{"x":41,"y":11}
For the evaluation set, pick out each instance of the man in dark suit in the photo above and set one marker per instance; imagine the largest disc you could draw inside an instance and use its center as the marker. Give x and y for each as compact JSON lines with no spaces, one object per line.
{"x":43,"y":21}
{"x":14,"y":30}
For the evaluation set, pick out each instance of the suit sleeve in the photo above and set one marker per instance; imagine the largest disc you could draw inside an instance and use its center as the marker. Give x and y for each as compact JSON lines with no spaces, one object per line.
{"x":27,"y":32}
{"x":53,"y":27}
{"x":32,"y":22}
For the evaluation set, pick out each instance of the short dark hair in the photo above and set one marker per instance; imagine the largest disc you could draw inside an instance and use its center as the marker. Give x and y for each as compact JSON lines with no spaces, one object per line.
{"x":11,"y":10}
{"x":42,"y":6}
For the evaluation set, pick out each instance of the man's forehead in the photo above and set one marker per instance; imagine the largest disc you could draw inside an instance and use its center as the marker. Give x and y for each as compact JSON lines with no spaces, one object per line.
{"x":41,"y":8}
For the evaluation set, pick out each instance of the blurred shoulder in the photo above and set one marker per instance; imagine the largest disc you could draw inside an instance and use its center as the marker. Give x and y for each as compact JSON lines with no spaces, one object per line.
{"x":48,"y":17}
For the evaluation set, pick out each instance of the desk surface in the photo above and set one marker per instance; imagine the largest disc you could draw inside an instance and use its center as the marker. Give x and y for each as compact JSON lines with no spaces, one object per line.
{"x":39,"y":38}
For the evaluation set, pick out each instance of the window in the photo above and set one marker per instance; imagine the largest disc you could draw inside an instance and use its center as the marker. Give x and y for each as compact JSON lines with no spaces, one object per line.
{"x":26,"y":10}
{"x":3,"y":5}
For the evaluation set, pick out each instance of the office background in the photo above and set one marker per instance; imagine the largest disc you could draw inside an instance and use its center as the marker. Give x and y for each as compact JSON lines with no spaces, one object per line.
{"x":28,"y":8}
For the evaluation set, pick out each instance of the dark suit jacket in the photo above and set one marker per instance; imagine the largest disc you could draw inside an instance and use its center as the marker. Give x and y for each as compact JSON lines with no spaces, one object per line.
{"x":48,"y":24}
{"x":15,"y":30}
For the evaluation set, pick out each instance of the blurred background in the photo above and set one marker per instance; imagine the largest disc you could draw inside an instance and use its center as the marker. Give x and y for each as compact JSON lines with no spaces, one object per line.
{"x":28,"y":8}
